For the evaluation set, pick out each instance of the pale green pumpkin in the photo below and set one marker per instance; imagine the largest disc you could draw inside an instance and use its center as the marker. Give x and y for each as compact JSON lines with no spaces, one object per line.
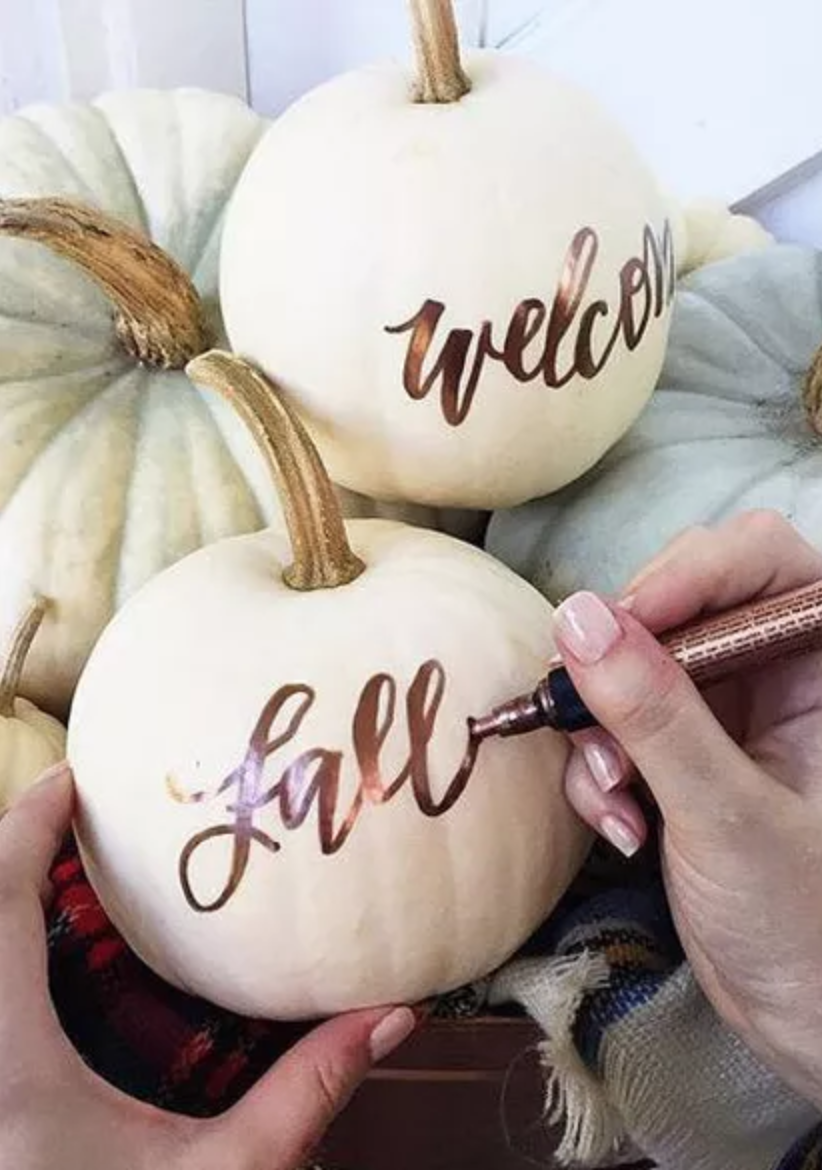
{"x":112,"y":468}
{"x":726,"y":431}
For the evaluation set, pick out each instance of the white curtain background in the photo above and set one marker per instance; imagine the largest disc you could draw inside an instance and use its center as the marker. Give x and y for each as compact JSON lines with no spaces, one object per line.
{"x":722,"y":96}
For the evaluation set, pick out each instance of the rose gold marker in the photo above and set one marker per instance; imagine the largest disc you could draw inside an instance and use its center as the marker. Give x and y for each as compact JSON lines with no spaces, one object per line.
{"x":733,"y":642}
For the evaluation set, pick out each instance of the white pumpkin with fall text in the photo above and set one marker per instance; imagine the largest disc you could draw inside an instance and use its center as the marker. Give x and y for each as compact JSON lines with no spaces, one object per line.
{"x":281,"y":805}
{"x":466,"y":296}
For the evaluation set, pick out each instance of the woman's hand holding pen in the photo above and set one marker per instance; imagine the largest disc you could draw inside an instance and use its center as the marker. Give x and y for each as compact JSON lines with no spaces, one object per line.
{"x":736,"y":773}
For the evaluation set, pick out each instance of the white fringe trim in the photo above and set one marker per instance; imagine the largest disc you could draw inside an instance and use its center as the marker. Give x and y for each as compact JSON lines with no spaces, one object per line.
{"x":551,"y":993}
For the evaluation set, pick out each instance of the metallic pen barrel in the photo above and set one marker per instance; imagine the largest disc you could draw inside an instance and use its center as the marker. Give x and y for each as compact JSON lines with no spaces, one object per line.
{"x":515,"y":718}
{"x":555,"y":703}
{"x":717,"y":647}
{"x":764,"y":631}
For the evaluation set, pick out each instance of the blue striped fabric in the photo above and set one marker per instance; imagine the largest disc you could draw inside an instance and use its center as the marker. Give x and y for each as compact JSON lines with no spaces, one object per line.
{"x":632,"y":928}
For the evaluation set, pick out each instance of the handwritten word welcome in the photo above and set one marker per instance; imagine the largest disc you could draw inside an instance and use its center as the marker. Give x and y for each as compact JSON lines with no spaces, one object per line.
{"x":533,"y":344}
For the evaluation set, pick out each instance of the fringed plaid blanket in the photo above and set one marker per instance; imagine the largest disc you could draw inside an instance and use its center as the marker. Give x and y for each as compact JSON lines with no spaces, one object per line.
{"x":634,"y":1055}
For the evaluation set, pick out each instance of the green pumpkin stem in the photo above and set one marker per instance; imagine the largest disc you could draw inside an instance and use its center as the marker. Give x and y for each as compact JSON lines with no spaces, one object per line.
{"x":441,"y":76}
{"x":323,"y":558}
{"x":812,"y":393}
{"x":19,"y":646}
{"x":160,"y":319}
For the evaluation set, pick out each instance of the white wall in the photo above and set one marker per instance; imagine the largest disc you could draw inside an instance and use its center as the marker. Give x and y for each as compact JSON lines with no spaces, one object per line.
{"x":718,"y":93}
{"x":56,"y":49}
{"x":721,"y":95}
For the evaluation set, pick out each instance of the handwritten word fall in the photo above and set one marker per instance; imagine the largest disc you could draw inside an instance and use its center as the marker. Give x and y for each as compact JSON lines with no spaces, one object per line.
{"x":313,"y":778}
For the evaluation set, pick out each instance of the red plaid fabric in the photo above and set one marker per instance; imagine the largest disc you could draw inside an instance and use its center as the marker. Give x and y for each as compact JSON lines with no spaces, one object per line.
{"x":140,"y":1034}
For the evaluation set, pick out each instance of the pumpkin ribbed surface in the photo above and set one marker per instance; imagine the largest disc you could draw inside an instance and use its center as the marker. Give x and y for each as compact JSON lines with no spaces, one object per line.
{"x":111,"y":471}
{"x":726,"y":431}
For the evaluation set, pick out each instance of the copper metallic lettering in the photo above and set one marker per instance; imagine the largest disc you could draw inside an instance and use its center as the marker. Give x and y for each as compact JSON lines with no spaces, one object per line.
{"x":576,"y":273}
{"x":579,"y":337}
{"x":635,"y":279}
{"x":586,"y":365}
{"x":242,"y":834}
{"x":664,"y":261}
{"x":373,"y":720}
{"x":449,"y":367}
{"x":528,"y":319}
{"x":248,"y":780}
{"x":313,"y":779}
{"x":424,"y":700}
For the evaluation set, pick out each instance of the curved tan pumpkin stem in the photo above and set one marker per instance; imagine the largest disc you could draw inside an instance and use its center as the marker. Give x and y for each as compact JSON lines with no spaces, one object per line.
{"x":160,"y":319}
{"x":322,"y":555}
{"x":441,"y":76}
{"x":812,"y":392}
{"x":21,"y":640}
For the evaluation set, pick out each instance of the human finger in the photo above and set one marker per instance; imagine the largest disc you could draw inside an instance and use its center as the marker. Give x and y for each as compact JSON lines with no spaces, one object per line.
{"x":605,"y":759}
{"x":280,"y":1121}
{"x":683,"y":540}
{"x":31,"y":833}
{"x":753,"y":555}
{"x":646,"y":701}
{"x":615,"y":815}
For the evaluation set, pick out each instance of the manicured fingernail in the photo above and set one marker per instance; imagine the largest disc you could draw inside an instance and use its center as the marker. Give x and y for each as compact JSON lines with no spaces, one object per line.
{"x":391,"y":1031}
{"x":586,"y":627}
{"x":605,"y":763}
{"x":621,"y":835}
{"x":627,"y":602}
{"x":54,"y":775}
{"x":59,"y":771}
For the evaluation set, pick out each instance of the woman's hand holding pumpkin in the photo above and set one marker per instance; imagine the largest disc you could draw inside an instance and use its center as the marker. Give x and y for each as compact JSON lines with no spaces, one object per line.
{"x":736,"y":772}
{"x":55,"y":1112}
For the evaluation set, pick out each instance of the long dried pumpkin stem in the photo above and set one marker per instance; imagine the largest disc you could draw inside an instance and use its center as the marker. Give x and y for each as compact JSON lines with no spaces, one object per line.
{"x":160,"y":318}
{"x":441,"y":76}
{"x":323,"y":558}
{"x":21,"y":640}
{"x":812,"y":392}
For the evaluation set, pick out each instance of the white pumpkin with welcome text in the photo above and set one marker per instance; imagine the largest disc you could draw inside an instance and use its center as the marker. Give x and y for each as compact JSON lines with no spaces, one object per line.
{"x":468,"y":302}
